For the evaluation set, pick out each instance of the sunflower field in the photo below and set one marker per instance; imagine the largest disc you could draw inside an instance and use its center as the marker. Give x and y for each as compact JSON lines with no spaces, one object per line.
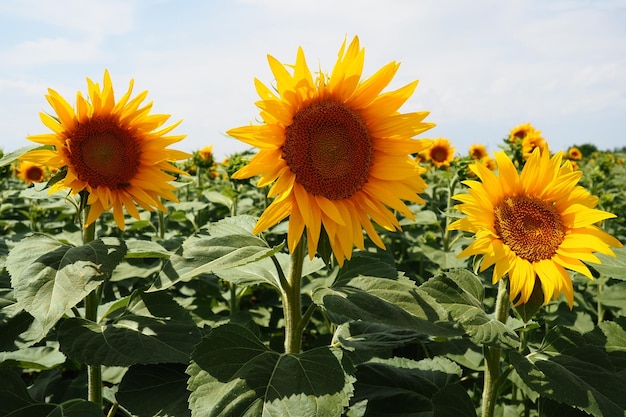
{"x":345,"y":265}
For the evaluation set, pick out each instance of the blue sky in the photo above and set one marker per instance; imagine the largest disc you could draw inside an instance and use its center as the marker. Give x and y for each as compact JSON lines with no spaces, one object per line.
{"x":484,"y":66}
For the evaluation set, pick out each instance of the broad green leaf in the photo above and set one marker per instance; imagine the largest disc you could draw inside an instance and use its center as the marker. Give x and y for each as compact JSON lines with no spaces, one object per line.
{"x":50,"y":277}
{"x":145,"y":249}
{"x":264,"y":271}
{"x":364,"y":336}
{"x":153,"y":329}
{"x":582,"y":381}
{"x":453,"y":400}
{"x":71,"y":408}
{"x":218,"y":246}
{"x":458,"y":292}
{"x":155,"y":390}
{"x":370,"y":264}
{"x":234,"y":374}
{"x":218,"y":198}
{"x":14,"y":155}
{"x":613,"y":295}
{"x":404,"y":387}
{"x":398,"y":303}
{"x":13,"y":392}
{"x":38,"y":357}
{"x":612,"y":267}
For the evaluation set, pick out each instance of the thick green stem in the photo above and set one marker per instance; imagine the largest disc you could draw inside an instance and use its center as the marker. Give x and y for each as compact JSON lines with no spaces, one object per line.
{"x":292,"y":309}
{"x":92,"y":301}
{"x":493,"y":354}
{"x":446,"y":231}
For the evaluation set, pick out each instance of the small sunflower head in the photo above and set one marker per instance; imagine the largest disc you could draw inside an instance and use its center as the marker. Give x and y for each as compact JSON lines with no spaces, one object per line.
{"x":574,"y":154}
{"x":440,"y":154}
{"x":478,"y":151}
{"x":520,"y":132}
{"x":204,"y":157}
{"x":30,"y":172}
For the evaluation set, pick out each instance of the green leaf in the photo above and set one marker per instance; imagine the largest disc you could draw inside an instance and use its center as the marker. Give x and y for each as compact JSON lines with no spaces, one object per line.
{"x":218,"y":246}
{"x":404,"y":387}
{"x":234,"y":374}
{"x":50,"y":277}
{"x":13,"y":156}
{"x":612,"y":267}
{"x":364,"y":336}
{"x":398,"y":303}
{"x":264,"y":270}
{"x":453,"y":400}
{"x":581,"y":381}
{"x":39,"y":357}
{"x":153,"y":329}
{"x":155,"y":390}
{"x":13,"y":392}
{"x":460,"y":293}
{"x":71,"y":408}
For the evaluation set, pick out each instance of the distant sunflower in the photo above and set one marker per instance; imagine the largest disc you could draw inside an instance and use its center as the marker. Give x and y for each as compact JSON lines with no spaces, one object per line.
{"x":518,"y":133}
{"x":30,"y":172}
{"x":535,"y":224}
{"x":112,"y":150}
{"x":489,"y":162}
{"x":440,"y":154}
{"x":574,"y":154}
{"x":534,"y":140}
{"x":478,"y":151}
{"x":336,"y":149}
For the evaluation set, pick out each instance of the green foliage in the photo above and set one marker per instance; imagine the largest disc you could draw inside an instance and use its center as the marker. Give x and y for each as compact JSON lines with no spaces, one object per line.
{"x":189,"y":317}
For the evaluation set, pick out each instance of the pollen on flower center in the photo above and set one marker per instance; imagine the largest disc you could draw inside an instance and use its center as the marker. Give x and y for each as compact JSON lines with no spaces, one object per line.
{"x":329,"y":149}
{"x":103,"y":153}
{"x":530,"y":226}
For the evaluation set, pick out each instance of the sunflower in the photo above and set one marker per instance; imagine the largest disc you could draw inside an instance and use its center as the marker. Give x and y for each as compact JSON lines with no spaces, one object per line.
{"x":478,"y":151}
{"x":336,"y":150}
{"x":574,"y":154}
{"x":518,"y":133}
{"x":531,"y":141}
{"x":539,"y":223}
{"x":440,"y":154}
{"x":115,"y":151}
{"x":30,"y":172}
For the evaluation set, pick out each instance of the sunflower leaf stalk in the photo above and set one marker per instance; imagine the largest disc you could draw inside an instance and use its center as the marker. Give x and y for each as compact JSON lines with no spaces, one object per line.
{"x":291,"y":297}
{"x":92,"y":301}
{"x":493,"y":355}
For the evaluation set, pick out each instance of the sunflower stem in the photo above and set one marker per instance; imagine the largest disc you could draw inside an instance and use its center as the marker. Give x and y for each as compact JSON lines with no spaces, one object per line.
{"x":492,"y":355}
{"x":290,"y":291}
{"x":446,"y":231}
{"x":94,"y":372}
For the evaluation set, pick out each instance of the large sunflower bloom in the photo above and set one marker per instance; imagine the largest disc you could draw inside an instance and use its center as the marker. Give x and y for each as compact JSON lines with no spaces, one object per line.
{"x":539,"y":223}
{"x":440,"y":154}
{"x":337,"y":150}
{"x":112,"y":150}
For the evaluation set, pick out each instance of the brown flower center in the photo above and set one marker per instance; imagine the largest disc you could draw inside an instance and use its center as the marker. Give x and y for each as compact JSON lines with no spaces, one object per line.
{"x":439,"y":153}
{"x":529,"y":226}
{"x":34,"y":174}
{"x":103,"y":153}
{"x":329,"y":149}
